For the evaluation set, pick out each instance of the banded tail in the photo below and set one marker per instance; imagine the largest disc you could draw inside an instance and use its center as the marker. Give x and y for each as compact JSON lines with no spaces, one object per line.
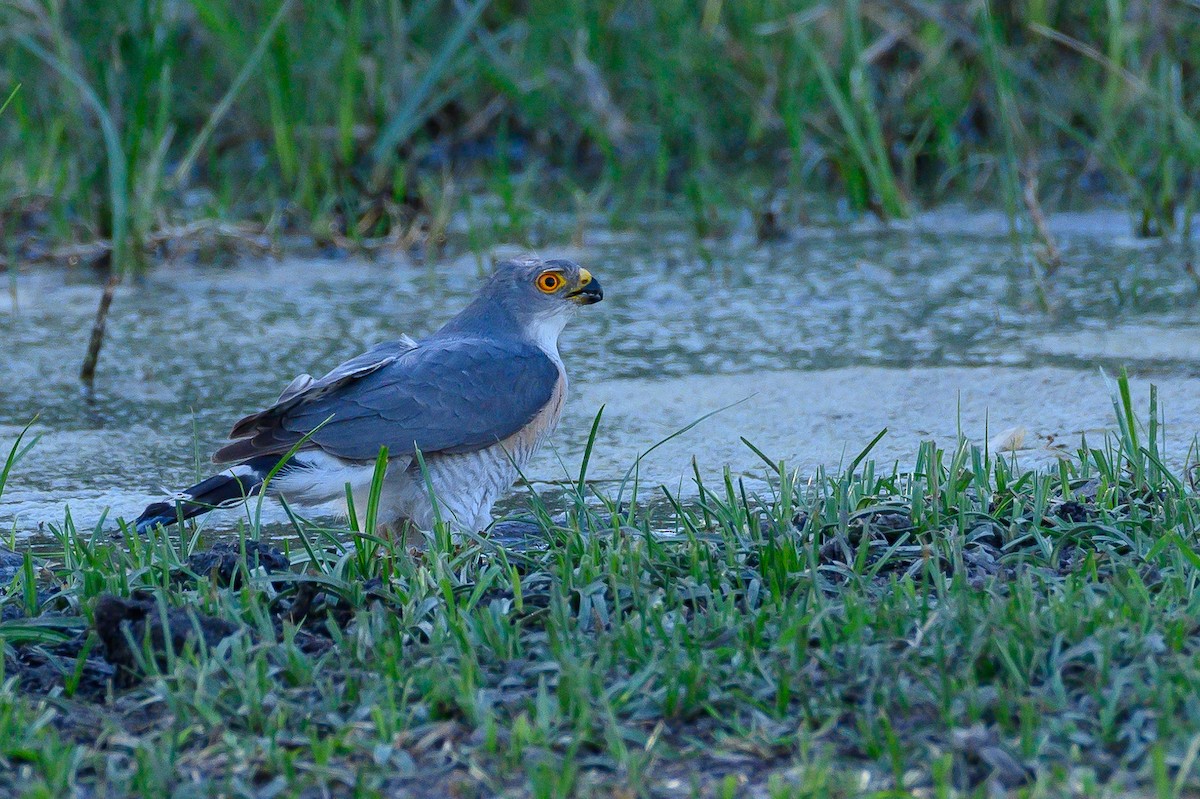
{"x":225,"y":490}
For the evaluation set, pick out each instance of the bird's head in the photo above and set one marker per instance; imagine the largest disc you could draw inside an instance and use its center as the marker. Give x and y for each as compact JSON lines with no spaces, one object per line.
{"x":539,"y":287}
{"x":539,"y":296}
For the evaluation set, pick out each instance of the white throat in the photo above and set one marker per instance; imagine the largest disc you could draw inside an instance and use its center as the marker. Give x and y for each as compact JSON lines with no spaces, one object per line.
{"x":545,"y":331}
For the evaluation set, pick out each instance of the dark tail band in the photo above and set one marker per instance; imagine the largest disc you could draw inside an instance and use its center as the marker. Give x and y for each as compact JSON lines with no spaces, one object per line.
{"x":230,"y":488}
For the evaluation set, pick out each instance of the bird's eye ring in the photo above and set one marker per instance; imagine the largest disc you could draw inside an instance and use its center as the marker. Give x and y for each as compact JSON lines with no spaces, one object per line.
{"x":550,"y":282}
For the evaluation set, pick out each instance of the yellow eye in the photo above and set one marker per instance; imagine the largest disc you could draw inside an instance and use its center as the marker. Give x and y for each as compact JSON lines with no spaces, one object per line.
{"x":550,"y":282}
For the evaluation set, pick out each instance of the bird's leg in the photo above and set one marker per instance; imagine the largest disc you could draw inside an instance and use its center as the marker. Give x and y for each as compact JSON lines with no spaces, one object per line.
{"x":403,"y":531}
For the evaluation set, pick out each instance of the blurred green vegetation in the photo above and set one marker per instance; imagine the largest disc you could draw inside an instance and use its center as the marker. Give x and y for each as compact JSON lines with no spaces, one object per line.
{"x":364,"y":121}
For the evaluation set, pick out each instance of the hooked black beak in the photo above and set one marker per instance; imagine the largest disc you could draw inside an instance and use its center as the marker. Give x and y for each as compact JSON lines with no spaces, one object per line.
{"x":589,"y":291}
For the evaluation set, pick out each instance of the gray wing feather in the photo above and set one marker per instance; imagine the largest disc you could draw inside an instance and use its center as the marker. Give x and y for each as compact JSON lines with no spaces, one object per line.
{"x":295,"y":388}
{"x":454,"y":395}
{"x":305,"y":388}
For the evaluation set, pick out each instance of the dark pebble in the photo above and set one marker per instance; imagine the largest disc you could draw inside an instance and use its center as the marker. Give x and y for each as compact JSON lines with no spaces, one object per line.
{"x":981,"y":758}
{"x":986,"y":534}
{"x":41,"y":669}
{"x":516,"y":534}
{"x":1073,"y":511}
{"x":222,"y":562}
{"x":46,"y":600}
{"x":981,"y":561}
{"x":888,"y":525}
{"x":117,"y":621}
{"x":10,"y":564}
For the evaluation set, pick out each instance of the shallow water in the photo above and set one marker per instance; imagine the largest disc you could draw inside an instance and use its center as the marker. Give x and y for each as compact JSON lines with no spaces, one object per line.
{"x":823,"y":340}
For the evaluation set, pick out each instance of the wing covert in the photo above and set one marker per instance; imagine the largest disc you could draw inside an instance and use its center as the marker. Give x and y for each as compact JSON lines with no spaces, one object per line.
{"x":450,"y":395}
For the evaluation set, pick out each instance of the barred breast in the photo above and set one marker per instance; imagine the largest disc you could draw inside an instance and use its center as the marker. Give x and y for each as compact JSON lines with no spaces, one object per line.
{"x":468,"y":484}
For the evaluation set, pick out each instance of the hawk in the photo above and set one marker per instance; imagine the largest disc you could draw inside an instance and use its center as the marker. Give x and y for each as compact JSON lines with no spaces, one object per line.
{"x":476,"y":399}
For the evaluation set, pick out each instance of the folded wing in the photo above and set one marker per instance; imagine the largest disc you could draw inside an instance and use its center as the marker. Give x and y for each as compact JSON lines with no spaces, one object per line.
{"x":448,"y":395}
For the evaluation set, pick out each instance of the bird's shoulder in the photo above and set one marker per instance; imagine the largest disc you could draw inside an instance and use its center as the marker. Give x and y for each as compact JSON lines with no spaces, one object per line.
{"x":480,"y":349}
{"x":468,"y":366}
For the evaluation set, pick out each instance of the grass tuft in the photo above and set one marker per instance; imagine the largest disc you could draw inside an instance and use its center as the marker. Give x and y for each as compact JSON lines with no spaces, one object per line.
{"x":961,"y":628}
